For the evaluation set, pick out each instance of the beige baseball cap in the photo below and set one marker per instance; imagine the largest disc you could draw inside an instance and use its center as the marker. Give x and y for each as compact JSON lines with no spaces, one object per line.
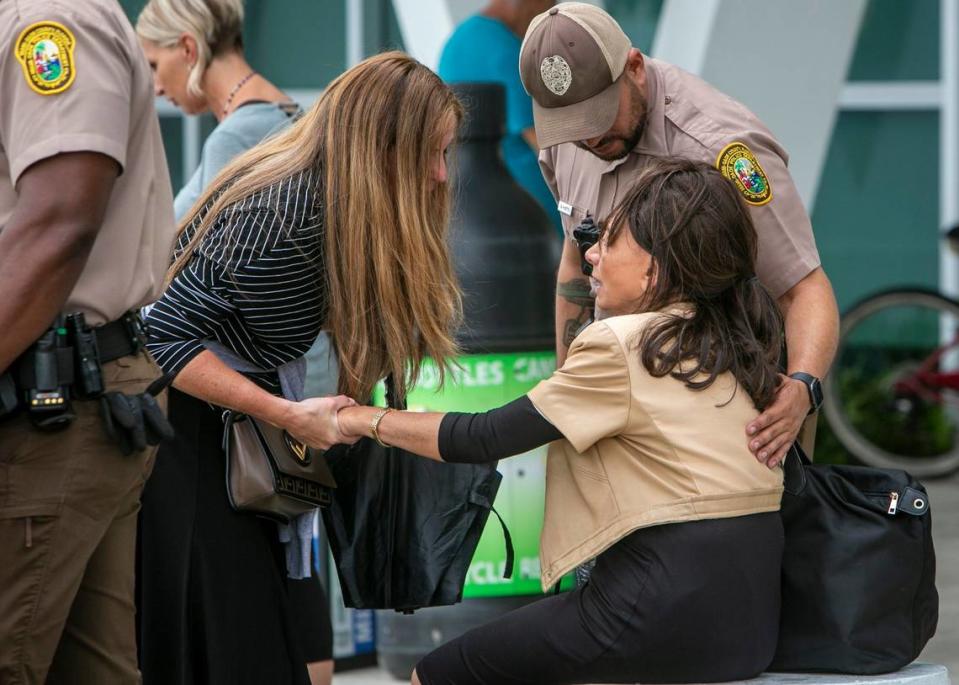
{"x":571,"y":62}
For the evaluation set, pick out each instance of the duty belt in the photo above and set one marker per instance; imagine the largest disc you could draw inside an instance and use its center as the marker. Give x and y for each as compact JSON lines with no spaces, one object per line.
{"x":120,"y":338}
{"x":66,"y":363}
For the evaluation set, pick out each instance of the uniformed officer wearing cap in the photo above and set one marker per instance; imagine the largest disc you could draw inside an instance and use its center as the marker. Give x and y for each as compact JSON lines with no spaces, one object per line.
{"x":86,"y":227}
{"x":602,"y":111}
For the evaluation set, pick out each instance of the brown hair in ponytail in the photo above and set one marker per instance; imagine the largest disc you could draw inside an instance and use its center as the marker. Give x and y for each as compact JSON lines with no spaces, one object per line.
{"x":703,"y":246}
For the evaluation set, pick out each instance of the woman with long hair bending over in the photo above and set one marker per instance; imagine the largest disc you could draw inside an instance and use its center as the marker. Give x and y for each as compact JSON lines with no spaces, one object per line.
{"x":647,"y":469}
{"x":195,"y":48}
{"x":337,"y":223}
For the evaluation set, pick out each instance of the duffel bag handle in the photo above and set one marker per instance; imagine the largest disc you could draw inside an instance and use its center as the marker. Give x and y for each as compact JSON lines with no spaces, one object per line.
{"x":908,"y":500}
{"x":794,"y":469}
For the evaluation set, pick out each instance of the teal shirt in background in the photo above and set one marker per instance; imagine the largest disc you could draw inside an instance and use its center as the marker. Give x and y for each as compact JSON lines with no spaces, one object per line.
{"x":484,"y":49}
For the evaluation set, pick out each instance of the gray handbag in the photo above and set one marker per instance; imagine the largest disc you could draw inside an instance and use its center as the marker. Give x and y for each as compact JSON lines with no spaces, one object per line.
{"x":271,"y":474}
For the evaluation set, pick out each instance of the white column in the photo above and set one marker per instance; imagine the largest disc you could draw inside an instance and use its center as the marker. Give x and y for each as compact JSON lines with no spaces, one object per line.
{"x":191,"y":145}
{"x":683,"y":33}
{"x":949,"y":141}
{"x":426,"y":24}
{"x":355,"y":51}
{"x":783,"y":59}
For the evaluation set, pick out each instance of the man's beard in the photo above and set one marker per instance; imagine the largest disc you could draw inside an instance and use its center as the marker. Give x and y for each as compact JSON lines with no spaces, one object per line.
{"x":638,"y":112}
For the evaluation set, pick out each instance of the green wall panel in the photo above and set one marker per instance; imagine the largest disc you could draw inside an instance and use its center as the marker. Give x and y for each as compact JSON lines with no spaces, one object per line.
{"x":877,"y":212}
{"x":296,"y":44}
{"x":898,"y":40}
{"x":638,"y":19}
{"x":302,"y":43}
{"x":172,"y":130}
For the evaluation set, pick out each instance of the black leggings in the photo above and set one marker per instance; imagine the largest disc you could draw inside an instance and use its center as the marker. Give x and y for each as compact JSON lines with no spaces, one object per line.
{"x":688,"y":602}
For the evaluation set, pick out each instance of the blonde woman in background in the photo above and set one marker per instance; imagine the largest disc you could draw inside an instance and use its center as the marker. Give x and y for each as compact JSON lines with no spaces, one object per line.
{"x":337,"y":223}
{"x":195,"y":48}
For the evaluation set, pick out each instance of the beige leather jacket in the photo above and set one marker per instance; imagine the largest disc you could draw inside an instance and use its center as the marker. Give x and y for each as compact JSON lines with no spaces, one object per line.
{"x":639,"y":451}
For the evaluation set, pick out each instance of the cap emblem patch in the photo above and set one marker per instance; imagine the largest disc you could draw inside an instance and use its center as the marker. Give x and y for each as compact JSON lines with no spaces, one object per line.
{"x":557,"y":76}
{"x":45,"y":52}
{"x":738,"y":164}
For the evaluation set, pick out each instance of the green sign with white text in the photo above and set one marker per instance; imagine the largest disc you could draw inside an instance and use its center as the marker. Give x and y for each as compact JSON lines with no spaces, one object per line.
{"x":482,"y":382}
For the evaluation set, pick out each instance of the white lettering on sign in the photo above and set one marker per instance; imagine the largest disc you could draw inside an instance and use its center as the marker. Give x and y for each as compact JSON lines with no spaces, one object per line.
{"x":467,"y":373}
{"x":491,"y":573}
{"x":488,"y":573}
{"x":529,"y":369}
{"x":529,"y":568}
{"x":480,"y":373}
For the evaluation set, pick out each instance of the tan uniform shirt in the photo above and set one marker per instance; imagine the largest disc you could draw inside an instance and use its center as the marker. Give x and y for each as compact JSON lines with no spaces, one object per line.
{"x":688,"y":118}
{"x":639,"y":451}
{"x":74,"y":78}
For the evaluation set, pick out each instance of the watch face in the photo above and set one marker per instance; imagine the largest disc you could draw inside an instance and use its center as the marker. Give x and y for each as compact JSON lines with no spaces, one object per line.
{"x":815,"y":389}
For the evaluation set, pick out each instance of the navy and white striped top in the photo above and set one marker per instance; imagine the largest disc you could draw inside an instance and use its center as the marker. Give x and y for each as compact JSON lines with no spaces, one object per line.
{"x":255,"y":284}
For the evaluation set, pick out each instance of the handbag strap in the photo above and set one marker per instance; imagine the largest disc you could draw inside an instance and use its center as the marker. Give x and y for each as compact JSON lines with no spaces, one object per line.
{"x":510,"y":552}
{"x":392,"y":399}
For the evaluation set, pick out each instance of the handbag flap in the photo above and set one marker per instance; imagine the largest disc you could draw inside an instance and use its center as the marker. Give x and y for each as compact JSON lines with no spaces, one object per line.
{"x":265,"y":473}
{"x":290,"y":457}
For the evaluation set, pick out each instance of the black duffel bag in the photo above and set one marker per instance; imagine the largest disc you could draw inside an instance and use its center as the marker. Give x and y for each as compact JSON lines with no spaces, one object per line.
{"x":858,"y":581}
{"x":403,"y":528}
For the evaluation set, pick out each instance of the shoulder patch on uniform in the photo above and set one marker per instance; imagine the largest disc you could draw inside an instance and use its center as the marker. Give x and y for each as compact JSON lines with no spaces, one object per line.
{"x":737,"y":163}
{"x":45,"y":52}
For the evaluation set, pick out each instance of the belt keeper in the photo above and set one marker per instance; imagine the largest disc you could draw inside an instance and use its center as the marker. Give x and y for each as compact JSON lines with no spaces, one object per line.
{"x":135,"y":329}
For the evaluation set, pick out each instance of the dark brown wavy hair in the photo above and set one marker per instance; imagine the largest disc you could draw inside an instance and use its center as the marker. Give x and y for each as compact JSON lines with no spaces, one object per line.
{"x":703,"y":244}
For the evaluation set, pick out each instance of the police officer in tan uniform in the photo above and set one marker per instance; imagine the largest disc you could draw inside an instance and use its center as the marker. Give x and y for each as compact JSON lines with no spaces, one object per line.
{"x":602,"y":111}
{"x":86,"y":227}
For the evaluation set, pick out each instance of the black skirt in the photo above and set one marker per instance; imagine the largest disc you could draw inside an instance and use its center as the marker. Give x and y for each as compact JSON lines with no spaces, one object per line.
{"x":212,"y":591}
{"x":689,"y":602}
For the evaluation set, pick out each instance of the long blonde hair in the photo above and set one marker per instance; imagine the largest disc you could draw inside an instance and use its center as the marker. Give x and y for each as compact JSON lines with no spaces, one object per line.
{"x":373,"y":138}
{"x":216,"y":26}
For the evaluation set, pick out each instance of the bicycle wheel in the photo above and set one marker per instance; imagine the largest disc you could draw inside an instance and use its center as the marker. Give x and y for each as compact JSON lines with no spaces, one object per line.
{"x":892,"y":395}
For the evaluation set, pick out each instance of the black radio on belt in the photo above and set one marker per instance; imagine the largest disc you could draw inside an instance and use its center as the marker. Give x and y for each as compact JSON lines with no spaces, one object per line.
{"x":64,"y":364}
{"x":585,"y":236}
{"x":46,"y":374}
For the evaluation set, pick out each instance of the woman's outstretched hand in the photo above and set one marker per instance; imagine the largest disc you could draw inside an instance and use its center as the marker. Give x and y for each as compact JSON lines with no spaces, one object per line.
{"x":313,"y":422}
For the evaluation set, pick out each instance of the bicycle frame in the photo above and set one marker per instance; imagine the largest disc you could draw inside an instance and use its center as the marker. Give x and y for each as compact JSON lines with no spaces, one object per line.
{"x":927,"y":382}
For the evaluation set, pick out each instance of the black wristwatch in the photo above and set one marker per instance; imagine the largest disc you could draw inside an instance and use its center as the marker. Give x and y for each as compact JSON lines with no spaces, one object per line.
{"x":814,"y":386}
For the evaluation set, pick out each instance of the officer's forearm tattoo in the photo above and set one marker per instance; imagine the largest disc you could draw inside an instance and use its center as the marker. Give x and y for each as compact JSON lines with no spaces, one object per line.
{"x":577,"y":292}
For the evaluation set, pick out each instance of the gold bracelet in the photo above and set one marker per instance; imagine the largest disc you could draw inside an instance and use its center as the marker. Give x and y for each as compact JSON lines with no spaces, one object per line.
{"x":375,"y":424}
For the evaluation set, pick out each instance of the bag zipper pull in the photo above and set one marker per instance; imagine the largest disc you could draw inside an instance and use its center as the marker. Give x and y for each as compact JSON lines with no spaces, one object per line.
{"x":893,"y":502}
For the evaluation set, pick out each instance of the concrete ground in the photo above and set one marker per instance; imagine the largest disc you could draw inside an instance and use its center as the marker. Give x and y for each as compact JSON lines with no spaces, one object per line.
{"x":942,"y":649}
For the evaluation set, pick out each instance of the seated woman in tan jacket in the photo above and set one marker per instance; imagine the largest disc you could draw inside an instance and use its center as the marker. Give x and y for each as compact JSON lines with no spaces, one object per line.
{"x":648,"y":470}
